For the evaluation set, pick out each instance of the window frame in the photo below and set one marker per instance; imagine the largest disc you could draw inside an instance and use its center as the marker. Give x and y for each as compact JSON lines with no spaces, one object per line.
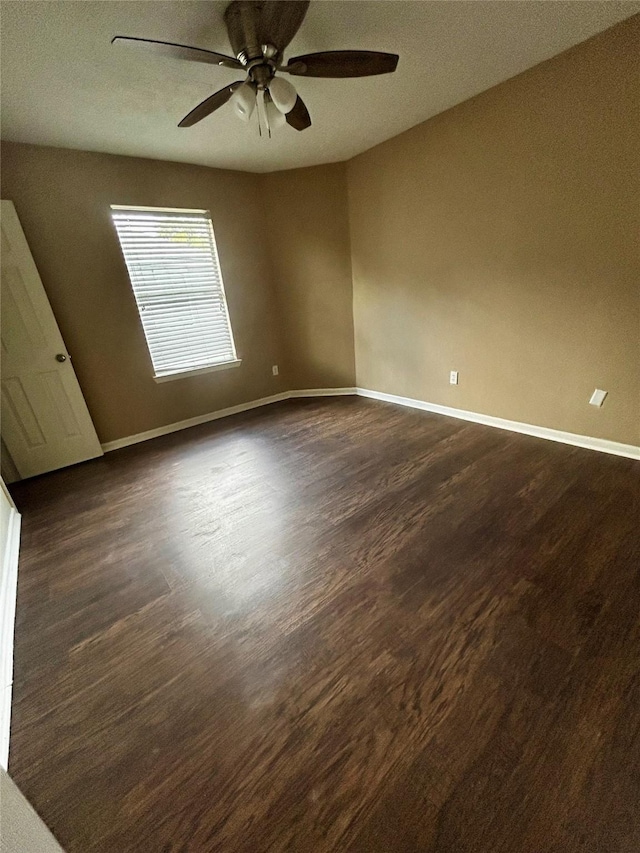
{"x":195,"y":371}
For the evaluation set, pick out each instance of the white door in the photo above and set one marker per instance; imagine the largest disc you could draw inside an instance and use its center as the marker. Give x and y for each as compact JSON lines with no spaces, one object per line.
{"x":45,"y":420}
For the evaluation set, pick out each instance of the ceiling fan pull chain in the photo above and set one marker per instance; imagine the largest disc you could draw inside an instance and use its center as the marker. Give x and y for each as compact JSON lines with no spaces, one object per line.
{"x":263,"y":118}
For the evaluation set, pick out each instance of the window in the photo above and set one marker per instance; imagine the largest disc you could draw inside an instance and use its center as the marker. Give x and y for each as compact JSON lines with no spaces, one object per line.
{"x":175,"y":275}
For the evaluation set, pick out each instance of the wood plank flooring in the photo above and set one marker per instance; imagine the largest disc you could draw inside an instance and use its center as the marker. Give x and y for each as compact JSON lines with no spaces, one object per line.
{"x":332,"y":625}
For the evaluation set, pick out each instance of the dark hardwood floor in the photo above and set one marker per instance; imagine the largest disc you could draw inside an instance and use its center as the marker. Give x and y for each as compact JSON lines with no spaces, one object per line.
{"x":332,"y":625}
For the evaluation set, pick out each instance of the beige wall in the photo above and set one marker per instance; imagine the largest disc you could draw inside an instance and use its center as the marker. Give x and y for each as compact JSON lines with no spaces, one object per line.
{"x":311,"y":264}
{"x":497,"y":239}
{"x":283,"y":241}
{"x":500,"y":239}
{"x":62,"y":198}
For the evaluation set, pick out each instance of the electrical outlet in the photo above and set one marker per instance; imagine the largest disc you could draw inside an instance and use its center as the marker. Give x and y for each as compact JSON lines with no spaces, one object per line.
{"x":453,"y":377}
{"x":275,"y":370}
{"x":598,"y":397}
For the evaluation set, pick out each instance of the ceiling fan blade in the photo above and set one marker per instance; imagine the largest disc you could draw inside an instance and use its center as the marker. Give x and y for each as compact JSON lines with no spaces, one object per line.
{"x":299,"y":117}
{"x":280,"y":21}
{"x":209,"y":105}
{"x":343,"y":63}
{"x":179,"y":51}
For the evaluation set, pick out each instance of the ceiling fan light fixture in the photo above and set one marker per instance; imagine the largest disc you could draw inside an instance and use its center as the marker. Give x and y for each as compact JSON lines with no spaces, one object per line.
{"x":283,"y":94}
{"x":243,"y":101}
{"x":260,"y":32}
{"x":275,"y":118}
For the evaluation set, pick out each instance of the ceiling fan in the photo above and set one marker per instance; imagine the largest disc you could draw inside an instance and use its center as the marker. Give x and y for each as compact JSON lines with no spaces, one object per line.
{"x":259,"y":32}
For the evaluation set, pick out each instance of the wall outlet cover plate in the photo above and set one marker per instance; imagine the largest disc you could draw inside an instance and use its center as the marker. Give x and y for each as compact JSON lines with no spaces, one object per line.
{"x":597,"y":398}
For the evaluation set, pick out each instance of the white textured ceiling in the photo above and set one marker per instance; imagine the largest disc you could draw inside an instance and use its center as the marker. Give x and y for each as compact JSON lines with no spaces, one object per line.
{"x":63,"y":84}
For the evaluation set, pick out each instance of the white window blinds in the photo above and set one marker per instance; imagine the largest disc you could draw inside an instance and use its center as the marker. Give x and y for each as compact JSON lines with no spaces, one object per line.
{"x":175,"y":274}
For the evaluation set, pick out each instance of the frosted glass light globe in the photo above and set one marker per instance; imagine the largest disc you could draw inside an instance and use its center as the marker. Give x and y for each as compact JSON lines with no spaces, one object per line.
{"x":275,"y":118}
{"x":243,"y":101}
{"x":283,"y":94}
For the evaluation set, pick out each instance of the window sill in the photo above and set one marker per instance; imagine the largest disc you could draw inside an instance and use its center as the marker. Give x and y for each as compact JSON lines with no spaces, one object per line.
{"x":185,"y":374}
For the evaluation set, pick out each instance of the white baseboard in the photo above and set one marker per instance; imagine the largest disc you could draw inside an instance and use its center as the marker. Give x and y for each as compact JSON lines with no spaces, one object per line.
{"x":323,"y":392}
{"x":200,"y":419}
{"x":8,"y":592}
{"x":601,"y":444}
{"x":224,"y":413}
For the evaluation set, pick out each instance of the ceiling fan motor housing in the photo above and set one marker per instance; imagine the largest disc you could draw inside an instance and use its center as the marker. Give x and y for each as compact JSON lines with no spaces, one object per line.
{"x":242,"y":18}
{"x":251,"y":40}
